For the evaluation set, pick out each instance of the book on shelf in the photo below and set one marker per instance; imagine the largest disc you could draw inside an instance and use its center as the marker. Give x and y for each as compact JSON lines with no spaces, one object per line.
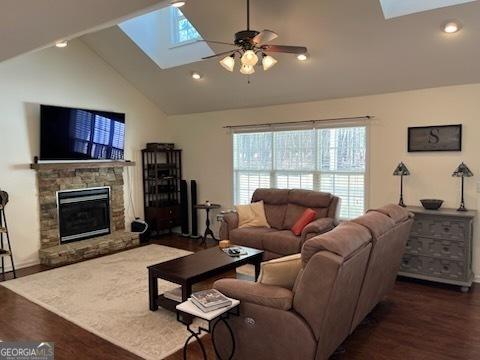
{"x":209,"y":300}
{"x":174,"y":294}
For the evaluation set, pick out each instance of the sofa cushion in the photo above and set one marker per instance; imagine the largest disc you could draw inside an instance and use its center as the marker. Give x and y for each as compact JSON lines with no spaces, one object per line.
{"x":282,"y":242}
{"x":395,"y":212}
{"x":376,"y":222}
{"x":250,"y":236}
{"x":310,"y":198}
{"x":271,"y":196}
{"x":252,"y":215}
{"x":275,"y":215}
{"x":294,"y":211}
{"x":281,"y":272}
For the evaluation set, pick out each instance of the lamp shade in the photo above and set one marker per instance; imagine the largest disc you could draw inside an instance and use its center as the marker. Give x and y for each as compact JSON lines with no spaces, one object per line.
{"x":462,"y":171}
{"x":247,"y":69}
{"x":249,"y":58}
{"x":268,"y":61}
{"x":228,"y":62}
{"x":401,"y":170}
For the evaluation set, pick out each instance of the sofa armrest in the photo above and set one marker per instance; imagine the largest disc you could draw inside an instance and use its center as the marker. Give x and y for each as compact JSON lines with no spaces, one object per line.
{"x":256,"y":293}
{"x":229,"y":222}
{"x":317,"y":227}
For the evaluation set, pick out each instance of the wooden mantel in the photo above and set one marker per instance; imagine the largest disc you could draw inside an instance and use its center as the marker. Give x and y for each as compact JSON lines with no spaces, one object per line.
{"x":80,"y":165}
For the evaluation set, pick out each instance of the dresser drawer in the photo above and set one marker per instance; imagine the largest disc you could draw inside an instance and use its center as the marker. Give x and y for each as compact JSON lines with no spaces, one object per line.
{"x":441,"y":228}
{"x":435,"y":267}
{"x":447,"y":249}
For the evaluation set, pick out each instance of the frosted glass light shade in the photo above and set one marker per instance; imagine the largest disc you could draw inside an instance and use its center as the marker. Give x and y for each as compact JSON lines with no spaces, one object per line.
{"x":268,"y":61}
{"x":247,"y":69}
{"x":249,"y":58}
{"x":228,"y":63}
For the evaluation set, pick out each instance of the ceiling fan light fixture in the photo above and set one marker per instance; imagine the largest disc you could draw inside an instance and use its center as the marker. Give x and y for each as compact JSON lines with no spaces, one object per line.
{"x":268,"y":62}
{"x":451,"y":27}
{"x":196,"y":75}
{"x":177,"y":3}
{"x":249,"y":58}
{"x":247,"y":69}
{"x":302,"y":57}
{"x":228,"y":62}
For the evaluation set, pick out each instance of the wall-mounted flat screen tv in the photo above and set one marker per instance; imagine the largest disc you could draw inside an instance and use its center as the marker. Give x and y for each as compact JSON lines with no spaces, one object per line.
{"x":80,"y":134}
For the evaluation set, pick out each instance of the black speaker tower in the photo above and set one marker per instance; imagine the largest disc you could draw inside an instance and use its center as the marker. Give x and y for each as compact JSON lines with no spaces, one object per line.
{"x":184,"y":208}
{"x":193,"y":202}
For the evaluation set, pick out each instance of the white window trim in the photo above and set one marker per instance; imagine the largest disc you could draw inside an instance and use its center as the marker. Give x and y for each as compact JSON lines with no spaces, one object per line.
{"x":323,"y":125}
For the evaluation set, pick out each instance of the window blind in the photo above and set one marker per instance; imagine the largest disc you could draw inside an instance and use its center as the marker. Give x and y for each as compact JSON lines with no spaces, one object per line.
{"x":324,"y":159}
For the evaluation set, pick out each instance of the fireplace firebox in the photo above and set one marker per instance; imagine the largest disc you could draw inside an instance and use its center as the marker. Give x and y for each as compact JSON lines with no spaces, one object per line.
{"x":83,"y":213}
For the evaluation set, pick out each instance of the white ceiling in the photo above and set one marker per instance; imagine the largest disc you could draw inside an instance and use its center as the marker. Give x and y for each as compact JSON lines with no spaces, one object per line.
{"x":354,"y":51}
{"x":26,"y":25}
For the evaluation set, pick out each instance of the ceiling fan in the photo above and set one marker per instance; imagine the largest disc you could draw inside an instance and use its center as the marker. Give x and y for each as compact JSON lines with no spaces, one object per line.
{"x":251,"y":43}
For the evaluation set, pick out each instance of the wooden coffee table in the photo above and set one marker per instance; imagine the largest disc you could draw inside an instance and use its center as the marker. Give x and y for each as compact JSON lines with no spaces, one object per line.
{"x":191,"y":269}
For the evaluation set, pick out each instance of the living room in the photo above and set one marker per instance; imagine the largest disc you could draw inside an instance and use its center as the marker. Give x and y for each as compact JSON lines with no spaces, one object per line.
{"x":384,"y":70}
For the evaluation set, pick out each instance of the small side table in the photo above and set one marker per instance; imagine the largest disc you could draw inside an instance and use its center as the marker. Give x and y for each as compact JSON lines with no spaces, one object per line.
{"x":208,"y":231}
{"x":213,"y":317}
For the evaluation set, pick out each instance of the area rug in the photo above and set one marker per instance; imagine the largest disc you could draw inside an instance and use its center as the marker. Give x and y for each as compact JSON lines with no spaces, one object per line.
{"x":108,"y":296}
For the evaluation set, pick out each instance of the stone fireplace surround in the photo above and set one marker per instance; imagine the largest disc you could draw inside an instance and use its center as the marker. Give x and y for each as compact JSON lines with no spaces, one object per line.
{"x":65,"y":176}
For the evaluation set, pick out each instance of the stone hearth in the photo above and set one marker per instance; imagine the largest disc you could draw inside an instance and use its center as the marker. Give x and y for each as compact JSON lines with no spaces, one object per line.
{"x":51,"y":180}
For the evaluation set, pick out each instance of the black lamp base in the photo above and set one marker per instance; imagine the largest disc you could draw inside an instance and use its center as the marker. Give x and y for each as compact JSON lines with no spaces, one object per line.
{"x":462,"y":208}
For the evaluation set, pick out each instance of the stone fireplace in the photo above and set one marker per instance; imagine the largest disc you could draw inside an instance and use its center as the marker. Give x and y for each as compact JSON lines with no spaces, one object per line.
{"x":81,"y":202}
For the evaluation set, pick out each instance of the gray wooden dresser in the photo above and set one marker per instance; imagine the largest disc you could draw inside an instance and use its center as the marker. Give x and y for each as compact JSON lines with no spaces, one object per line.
{"x":440,"y":247}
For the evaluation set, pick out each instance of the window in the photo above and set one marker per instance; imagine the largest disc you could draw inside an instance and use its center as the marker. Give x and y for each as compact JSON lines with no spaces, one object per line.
{"x":327,"y":159}
{"x":182,"y":29}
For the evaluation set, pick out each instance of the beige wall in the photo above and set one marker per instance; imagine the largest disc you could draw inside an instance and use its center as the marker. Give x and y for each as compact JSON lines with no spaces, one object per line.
{"x":76,"y":77}
{"x":207,"y":155}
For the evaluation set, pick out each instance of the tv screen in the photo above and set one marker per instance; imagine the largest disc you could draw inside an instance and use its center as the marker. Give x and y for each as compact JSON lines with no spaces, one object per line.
{"x":80,"y":134}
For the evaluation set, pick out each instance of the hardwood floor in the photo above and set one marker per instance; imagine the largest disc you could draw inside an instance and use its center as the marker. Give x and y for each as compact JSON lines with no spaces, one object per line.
{"x":419,"y":321}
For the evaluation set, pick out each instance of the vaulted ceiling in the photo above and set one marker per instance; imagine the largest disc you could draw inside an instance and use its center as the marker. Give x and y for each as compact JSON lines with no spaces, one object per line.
{"x":353,"y":51}
{"x":26,"y":25}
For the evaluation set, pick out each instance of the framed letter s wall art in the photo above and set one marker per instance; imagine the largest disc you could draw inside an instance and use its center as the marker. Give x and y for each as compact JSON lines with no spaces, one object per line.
{"x":435,"y":138}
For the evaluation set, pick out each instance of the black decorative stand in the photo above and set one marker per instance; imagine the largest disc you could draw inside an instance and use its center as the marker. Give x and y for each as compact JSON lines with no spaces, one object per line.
{"x":211,"y":330}
{"x":4,"y":236}
{"x":208,"y":231}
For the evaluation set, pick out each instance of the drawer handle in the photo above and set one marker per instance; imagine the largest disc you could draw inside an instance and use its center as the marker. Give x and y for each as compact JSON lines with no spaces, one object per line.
{"x":446,"y":229}
{"x":445,"y":267}
{"x":405,"y":262}
{"x":446,"y":249}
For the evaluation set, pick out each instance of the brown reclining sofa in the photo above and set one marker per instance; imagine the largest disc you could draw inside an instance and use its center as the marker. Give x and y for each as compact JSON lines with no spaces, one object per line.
{"x":282,"y":209}
{"x":345,"y":273}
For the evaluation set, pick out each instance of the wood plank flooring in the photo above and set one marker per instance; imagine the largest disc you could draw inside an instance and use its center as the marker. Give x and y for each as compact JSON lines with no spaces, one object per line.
{"x":419,"y":321}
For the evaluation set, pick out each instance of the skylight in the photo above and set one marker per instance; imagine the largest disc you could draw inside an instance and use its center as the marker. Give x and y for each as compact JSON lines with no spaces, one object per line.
{"x":167,"y":37}
{"x":396,"y":8}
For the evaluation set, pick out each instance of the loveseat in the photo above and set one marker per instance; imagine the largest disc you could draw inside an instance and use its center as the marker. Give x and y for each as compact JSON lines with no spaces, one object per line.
{"x":345,"y":273}
{"x":283,"y":207}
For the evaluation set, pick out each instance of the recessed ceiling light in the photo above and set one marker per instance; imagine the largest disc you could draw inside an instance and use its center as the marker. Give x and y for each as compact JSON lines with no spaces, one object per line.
{"x":451,"y":27}
{"x":196,"y":76}
{"x":302,"y":57}
{"x":177,"y":3}
{"x":61,"y":44}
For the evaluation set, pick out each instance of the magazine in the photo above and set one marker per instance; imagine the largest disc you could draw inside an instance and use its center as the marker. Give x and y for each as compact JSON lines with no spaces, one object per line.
{"x":174,"y":294}
{"x":209,"y":300}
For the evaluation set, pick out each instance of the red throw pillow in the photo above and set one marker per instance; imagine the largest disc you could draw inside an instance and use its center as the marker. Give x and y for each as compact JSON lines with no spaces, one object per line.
{"x":307,"y":217}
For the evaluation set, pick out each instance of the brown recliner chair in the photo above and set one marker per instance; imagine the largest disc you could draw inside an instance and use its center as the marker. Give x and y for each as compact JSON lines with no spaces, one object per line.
{"x":282,"y":209}
{"x":346,"y":272}
{"x":390,"y":227}
{"x":311,"y":321}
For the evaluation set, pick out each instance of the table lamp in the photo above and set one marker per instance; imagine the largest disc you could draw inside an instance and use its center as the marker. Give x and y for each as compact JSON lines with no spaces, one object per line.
{"x":462,"y":171}
{"x":401,"y":170}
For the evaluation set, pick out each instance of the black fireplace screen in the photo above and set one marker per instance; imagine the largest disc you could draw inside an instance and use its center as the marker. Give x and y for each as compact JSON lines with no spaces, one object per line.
{"x":83,"y":214}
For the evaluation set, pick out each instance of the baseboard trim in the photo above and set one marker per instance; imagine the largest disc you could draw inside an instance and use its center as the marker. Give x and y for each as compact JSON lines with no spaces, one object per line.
{"x":476,"y":279}
{"x":20,"y":265}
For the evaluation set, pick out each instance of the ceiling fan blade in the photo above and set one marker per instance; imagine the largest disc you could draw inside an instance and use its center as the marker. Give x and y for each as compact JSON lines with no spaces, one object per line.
{"x":285,"y":49}
{"x":216,"y":42}
{"x":220,"y":54}
{"x":265,"y":36}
